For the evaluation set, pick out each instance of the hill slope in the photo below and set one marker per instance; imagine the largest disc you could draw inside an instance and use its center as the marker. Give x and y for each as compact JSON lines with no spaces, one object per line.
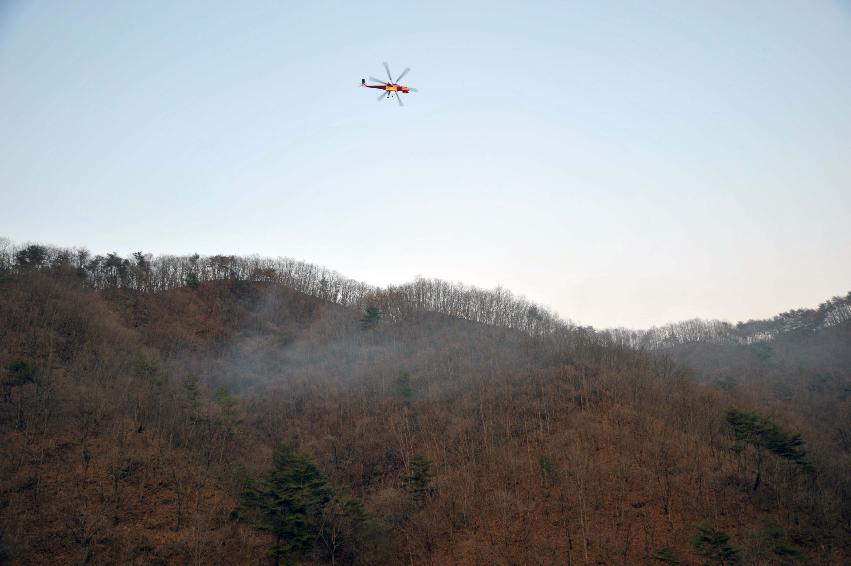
{"x":138,"y":417}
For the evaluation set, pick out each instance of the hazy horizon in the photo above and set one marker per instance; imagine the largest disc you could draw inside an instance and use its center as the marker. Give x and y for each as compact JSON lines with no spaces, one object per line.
{"x":623,"y":165}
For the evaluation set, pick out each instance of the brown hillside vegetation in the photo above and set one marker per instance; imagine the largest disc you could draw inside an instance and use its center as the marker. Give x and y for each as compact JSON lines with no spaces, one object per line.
{"x":141,"y":424}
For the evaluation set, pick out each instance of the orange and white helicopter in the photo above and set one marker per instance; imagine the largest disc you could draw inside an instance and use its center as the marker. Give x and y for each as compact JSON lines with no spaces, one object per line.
{"x":389,"y":88}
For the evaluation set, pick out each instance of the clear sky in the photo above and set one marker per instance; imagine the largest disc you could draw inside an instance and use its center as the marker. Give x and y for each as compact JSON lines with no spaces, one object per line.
{"x":624,"y":163}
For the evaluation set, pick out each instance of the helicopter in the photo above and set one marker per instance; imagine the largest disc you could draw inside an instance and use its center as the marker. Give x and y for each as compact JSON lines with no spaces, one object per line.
{"x":390,"y":87}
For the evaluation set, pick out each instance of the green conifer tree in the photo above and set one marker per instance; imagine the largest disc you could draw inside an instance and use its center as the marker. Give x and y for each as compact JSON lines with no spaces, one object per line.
{"x":403,"y":386}
{"x":762,"y":434}
{"x":713,"y":544}
{"x":370,"y":318}
{"x":419,"y":480}
{"x":775,"y":545}
{"x":288,"y":502}
{"x":192,"y":280}
{"x":666,"y":555}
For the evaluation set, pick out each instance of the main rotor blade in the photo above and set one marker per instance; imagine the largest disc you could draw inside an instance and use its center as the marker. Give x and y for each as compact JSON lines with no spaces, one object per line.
{"x":382,"y":95}
{"x":387,"y":68}
{"x":399,"y":99}
{"x":405,"y":72}
{"x":373,"y":79}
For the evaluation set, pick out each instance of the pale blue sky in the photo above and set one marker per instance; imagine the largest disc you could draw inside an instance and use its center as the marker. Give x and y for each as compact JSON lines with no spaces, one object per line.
{"x":624,"y":163}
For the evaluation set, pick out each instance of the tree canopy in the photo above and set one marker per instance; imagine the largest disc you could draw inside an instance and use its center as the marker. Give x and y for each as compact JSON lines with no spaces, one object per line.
{"x":759,"y":431}
{"x":288,"y":502}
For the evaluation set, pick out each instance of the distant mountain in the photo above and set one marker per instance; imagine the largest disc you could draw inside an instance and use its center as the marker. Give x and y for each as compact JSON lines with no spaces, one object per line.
{"x":833,"y":312}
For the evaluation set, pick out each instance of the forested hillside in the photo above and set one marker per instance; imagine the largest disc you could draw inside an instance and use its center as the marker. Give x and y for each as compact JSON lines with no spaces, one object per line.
{"x":220,"y":409}
{"x":796,"y":323}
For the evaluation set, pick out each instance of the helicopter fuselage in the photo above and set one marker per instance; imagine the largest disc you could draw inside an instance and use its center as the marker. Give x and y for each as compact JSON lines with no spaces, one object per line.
{"x":389,"y":87}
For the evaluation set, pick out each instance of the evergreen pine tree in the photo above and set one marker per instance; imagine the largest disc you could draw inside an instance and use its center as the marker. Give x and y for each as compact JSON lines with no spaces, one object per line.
{"x":775,"y":543}
{"x":370,"y":318}
{"x":288,"y":502}
{"x":713,"y":544}
{"x":419,"y":480}
{"x":761,"y":433}
{"x":403,"y":386}
{"x":666,"y":555}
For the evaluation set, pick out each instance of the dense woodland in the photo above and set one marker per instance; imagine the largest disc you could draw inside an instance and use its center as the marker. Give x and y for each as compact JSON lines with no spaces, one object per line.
{"x":197,"y":410}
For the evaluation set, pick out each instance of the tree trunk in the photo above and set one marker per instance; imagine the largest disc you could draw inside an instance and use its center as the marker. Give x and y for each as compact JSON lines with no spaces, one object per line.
{"x":758,"y":469}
